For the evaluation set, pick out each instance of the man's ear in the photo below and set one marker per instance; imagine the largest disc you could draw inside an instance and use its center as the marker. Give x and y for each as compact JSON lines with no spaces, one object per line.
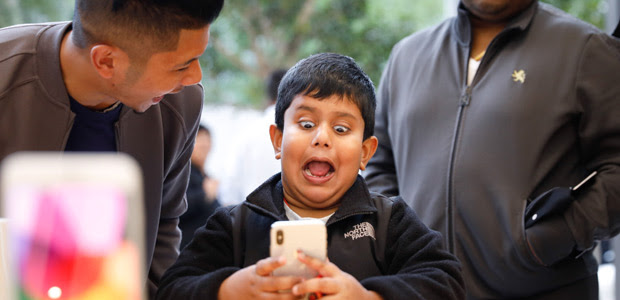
{"x":276,"y":140}
{"x":108,"y":60}
{"x":369,"y":146}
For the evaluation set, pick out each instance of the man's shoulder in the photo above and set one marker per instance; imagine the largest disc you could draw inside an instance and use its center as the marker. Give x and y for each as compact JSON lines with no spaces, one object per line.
{"x":19,"y":51}
{"x":562,"y":21}
{"x":420,"y":40}
{"x":23,"y":37}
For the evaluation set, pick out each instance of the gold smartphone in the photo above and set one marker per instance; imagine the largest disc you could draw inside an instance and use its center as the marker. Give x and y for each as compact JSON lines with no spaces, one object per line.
{"x":309,"y":236}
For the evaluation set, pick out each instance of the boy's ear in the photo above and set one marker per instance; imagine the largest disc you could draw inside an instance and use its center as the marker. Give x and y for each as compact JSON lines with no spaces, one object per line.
{"x":108,"y":60}
{"x":276,"y":140}
{"x":369,"y":146}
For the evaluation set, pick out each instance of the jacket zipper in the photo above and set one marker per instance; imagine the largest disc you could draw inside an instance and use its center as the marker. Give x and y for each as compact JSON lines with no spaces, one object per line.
{"x":464,"y":101}
{"x":450,"y":236}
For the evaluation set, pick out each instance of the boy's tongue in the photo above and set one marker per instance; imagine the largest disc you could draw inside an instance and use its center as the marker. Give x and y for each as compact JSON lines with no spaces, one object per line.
{"x":318,"y":168}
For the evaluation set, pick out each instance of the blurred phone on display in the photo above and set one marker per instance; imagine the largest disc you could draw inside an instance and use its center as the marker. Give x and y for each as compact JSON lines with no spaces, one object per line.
{"x":74,"y":226}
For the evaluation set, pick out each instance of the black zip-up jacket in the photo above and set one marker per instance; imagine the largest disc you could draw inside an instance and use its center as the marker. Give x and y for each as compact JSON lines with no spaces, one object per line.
{"x":403,"y":259}
{"x":542,"y":112}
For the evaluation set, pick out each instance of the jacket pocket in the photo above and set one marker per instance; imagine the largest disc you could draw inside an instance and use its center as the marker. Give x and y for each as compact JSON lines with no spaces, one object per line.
{"x":550,"y":240}
{"x":550,"y":203}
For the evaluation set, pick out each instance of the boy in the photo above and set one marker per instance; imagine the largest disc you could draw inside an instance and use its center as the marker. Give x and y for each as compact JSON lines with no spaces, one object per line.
{"x":377,"y":247}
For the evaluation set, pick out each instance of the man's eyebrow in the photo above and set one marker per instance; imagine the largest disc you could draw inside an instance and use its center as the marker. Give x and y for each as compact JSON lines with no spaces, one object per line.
{"x":186,"y":63}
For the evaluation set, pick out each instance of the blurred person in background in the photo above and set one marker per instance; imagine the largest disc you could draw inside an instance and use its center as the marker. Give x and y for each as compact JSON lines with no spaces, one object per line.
{"x":254,"y":160}
{"x":486,"y":124}
{"x":122,"y":76}
{"x":201,"y":191}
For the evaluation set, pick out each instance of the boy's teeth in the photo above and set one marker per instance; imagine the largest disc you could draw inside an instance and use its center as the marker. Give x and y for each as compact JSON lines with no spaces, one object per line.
{"x":307,"y":170}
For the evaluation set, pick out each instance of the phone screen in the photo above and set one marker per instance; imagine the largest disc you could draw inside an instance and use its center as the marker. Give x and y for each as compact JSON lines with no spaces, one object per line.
{"x":68,"y":238}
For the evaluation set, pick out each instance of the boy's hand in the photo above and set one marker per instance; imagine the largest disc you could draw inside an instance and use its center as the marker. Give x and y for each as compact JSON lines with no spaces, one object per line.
{"x":256,"y":282}
{"x":334,"y":283}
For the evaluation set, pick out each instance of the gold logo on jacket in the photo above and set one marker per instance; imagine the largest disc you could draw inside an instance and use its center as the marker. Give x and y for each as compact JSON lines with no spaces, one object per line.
{"x":518,"y":76}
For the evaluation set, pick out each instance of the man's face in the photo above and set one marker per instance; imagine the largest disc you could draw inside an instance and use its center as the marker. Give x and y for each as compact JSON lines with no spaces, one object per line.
{"x":322,"y":150}
{"x":496,"y":10}
{"x":164,"y":72}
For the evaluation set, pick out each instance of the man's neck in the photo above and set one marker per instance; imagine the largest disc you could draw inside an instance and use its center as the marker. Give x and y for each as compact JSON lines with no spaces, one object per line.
{"x":81,"y":82}
{"x":482,"y":34}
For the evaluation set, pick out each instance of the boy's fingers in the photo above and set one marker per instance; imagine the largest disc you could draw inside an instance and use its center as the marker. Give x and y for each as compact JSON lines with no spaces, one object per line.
{"x":274,"y":284}
{"x":326,"y":269}
{"x":277,"y":296}
{"x":264,"y":267}
{"x":323,"y":285}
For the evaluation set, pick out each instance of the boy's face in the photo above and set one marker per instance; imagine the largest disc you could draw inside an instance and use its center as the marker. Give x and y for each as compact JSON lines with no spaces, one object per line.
{"x":322,"y":149}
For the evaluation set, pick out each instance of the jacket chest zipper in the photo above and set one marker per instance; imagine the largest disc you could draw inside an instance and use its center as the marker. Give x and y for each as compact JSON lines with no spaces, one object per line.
{"x":463,"y":102}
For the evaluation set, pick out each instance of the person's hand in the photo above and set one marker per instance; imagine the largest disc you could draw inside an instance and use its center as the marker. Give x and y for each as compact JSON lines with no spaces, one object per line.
{"x":332,"y":282}
{"x":256,"y":282}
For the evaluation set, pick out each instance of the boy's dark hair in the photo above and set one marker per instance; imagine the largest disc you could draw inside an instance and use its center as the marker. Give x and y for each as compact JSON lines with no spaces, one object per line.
{"x":325,"y":74}
{"x":140,"y":27}
{"x":273,"y":82}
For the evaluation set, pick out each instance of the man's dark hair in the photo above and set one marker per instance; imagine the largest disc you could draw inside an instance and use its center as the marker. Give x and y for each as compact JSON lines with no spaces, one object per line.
{"x":273,"y":82}
{"x":140,"y":27}
{"x":323,"y":75}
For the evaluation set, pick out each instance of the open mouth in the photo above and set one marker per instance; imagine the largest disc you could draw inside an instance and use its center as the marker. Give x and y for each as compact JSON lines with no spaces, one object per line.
{"x":319,"y":169}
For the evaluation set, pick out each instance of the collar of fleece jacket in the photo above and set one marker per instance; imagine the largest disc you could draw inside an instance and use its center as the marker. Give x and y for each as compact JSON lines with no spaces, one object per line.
{"x":267,"y":198}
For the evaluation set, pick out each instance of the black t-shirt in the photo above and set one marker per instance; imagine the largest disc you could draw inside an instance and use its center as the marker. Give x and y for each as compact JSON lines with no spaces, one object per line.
{"x":93,"y":130}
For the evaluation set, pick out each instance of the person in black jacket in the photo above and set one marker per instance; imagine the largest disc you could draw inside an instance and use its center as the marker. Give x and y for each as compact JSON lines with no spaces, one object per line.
{"x":377,"y":246}
{"x":487,"y":123}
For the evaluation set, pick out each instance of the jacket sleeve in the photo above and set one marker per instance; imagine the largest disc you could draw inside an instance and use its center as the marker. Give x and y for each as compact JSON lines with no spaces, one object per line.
{"x":596,"y":212}
{"x":380,"y":174}
{"x":174,"y":201}
{"x":204,"y":264}
{"x":418,"y":267}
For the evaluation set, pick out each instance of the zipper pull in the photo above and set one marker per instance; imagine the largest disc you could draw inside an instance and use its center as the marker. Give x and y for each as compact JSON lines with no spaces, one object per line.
{"x":465,"y":97}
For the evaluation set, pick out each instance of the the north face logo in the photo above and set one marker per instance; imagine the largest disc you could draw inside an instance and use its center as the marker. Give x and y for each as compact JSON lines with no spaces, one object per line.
{"x":361,"y":230}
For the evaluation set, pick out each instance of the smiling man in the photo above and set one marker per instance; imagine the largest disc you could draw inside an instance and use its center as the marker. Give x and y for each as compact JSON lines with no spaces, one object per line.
{"x":123,"y":76}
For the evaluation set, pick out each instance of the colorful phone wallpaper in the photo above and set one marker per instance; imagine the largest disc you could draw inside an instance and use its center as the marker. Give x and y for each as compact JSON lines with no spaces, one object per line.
{"x":68,"y":242}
